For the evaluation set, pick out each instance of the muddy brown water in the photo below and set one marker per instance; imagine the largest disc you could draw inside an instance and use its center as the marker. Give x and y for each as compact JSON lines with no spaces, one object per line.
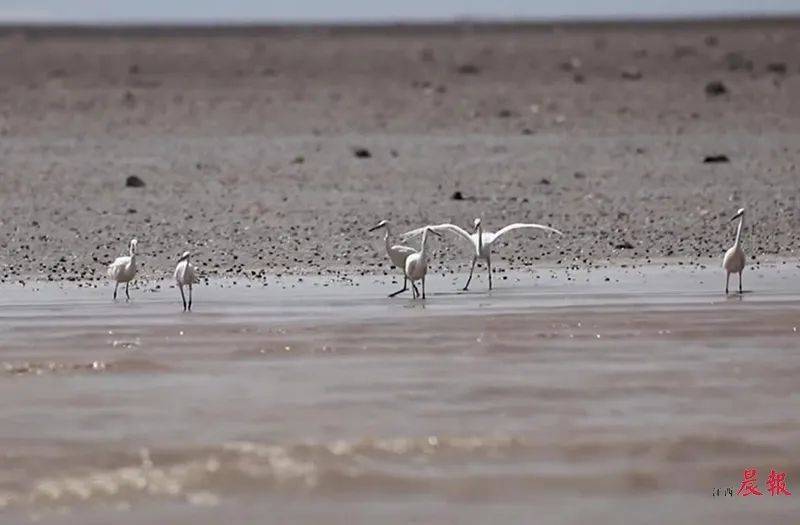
{"x":557,"y":398}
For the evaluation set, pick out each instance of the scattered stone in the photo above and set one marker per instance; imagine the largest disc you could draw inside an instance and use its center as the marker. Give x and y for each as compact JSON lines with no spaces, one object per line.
{"x":298,"y":159}
{"x":504,"y":113}
{"x":578,"y":78}
{"x":683,"y":51}
{"x":129,"y":98}
{"x":631,"y":73}
{"x":362,"y":153}
{"x":546,"y":182}
{"x":736,"y":61}
{"x":131,"y":210}
{"x":134,"y":182}
{"x":777,"y":67}
{"x":468,"y":69}
{"x":571,"y":65}
{"x":715,"y":159}
{"x":715,"y":88}
{"x":527,"y":131}
{"x":579,"y":175}
{"x":625,"y":245}
{"x":457,"y":196}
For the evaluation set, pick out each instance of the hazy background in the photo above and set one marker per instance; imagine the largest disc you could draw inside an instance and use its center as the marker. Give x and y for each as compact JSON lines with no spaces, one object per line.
{"x":127,"y":11}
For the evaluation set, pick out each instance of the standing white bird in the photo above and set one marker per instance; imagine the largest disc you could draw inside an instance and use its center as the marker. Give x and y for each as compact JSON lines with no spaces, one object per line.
{"x":734,"y":258}
{"x":481,"y":241}
{"x":397,"y":253}
{"x":417,"y":263}
{"x":123,"y":269}
{"x":185,"y":276}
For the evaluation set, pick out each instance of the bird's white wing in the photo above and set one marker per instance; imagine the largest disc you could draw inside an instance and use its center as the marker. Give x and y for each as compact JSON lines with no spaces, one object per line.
{"x":520,"y":225}
{"x":446,"y":226}
{"x":403,"y":250}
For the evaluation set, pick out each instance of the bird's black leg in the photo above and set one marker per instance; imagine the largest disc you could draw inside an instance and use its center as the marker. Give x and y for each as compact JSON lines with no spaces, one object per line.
{"x":423,"y":287}
{"x":416,"y":292}
{"x":405,"y":287}
{"x":116,"y":285}
{"x":740,"y":282}
{"x":489,"y":265}
{"x":190,"y":297}
{"x":126,"y":290}
{"x":183,"y":297}
{"x":727,"y":280}
{"x":474,"y":260}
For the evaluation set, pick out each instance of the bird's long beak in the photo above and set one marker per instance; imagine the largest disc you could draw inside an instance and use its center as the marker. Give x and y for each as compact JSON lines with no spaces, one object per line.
{"x":435,"y":233}
{"x":735,"y":217}
{"x":375,"y":228}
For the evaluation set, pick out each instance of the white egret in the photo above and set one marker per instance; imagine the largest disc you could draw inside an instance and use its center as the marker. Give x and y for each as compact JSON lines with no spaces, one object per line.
{"x":481,"y":241}
{"x":397,"y":253}
{"x":734,"y":258}
{"x":417,"y":263}
{"x":185,"y":276}
{"x":123,"y":269}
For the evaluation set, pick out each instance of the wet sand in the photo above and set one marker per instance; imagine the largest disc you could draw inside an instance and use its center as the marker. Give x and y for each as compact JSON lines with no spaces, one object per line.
{"x":245,"y":140}
{"x":557,"y":398}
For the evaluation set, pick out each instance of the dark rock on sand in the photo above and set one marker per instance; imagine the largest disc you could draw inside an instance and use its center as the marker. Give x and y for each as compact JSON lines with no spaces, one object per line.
{"x":777,"y":67}
{"x":457,"y":196}
{"x":715,"y":159}
{"x":362,"y":153}
{"x":631,"y":73}
{"x":134,"y":182}
{"x":715,"y":88}
{"x":468,"y":69}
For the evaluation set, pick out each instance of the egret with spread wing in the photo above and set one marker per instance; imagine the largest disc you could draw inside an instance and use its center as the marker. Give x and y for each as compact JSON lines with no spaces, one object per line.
{"x":480,"y":240}
{"x":397,"y":253}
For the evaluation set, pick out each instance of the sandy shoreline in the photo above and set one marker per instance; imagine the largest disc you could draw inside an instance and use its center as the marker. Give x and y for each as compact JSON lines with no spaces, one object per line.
{"x":245,"y":143}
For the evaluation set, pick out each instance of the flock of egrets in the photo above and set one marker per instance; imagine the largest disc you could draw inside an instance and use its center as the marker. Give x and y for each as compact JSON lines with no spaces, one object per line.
{"x":411,"y":261}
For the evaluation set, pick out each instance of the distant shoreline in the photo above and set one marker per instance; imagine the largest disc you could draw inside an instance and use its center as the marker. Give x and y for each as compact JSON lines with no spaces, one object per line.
{"x":413,"y":27}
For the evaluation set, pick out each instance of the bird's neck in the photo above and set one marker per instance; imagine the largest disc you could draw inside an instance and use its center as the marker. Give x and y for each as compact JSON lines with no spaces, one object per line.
{"x":479,"y":231}
{"x":424,"y":247}
{"x":739,"y":231}
{"x":387,"y":236}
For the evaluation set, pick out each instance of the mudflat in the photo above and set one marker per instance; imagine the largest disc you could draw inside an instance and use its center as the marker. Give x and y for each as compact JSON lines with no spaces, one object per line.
{"x":271,"y":150}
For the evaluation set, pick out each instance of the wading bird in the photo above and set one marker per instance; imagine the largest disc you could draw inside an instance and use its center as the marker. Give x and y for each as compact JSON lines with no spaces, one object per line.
{"x":397,"y":253}
{"x":417,"y":263}
{"x":185,"y":276}
{"x":480,"y":240}
{"x":734,"y":257}
{"x":123,"y":269}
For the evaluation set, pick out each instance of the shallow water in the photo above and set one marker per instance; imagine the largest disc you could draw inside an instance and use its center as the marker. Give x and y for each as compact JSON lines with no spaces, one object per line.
{"x":556,"y":399}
